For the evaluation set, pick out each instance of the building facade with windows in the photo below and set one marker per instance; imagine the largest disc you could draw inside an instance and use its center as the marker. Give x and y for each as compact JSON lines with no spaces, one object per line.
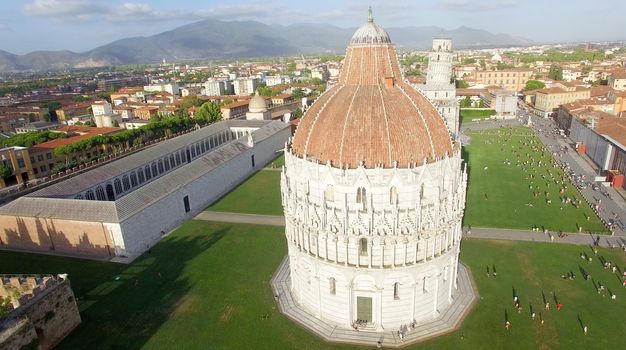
{"x":124,"y":207}
{"x":510,"y":79}
{"x":373,"y":190}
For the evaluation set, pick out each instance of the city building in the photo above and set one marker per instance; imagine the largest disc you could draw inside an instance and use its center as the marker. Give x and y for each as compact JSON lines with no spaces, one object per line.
{"x":439,"y":87}
{"x":108,"y":120}
{"x":502,"y":101}
{"x":245,"y":86}
{"x":122,"y":208}
{"x":510,"y":79}
{"x":43,"y":158}
{"x":217,"y":87}
{"x":549,"y":99}
{"x":37,"y":126}
{"x":17,"y":159}
{"x":101,"y":107}
{"x":235,"y":110}
{"x":617,"y":80}
{"x":171,"y":88}
{"x":601,"y":137}
{"x":373,"y":190}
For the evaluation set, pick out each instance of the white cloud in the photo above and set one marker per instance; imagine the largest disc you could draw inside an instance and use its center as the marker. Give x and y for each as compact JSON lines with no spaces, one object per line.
{"x":63,"y":9}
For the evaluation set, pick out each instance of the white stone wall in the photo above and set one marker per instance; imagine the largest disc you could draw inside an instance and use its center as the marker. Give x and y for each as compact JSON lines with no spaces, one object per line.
{"x":405,"y":227}
{"x":143,"y":229}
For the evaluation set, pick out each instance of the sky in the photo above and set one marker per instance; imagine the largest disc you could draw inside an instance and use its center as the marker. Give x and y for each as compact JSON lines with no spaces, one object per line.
{"x":81,"y":25}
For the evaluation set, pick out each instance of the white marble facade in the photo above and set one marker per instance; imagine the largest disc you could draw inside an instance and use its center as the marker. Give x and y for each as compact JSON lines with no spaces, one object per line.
{"x":379,"y":245}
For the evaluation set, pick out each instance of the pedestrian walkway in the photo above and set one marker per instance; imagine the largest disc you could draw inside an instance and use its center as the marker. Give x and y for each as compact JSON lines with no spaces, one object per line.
{"x":476,"y":232}
{"x":539,"y":236}
{"x":241,"y":218}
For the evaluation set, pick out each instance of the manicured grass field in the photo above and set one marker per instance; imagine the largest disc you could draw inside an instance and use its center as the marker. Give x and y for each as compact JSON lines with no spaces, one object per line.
{"x":511,"y":196}
{"x":467,"y":115}
{"x":206,"y":286}
{"x":277,"y":163}
{"x":260,"y":194}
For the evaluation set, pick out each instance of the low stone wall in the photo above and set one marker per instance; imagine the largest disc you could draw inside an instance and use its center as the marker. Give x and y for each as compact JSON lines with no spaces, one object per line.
{"x":44,"y":311}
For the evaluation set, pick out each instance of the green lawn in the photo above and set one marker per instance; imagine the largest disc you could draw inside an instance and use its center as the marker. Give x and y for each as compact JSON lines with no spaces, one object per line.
{"x":468,"y":115}
{"x":500,"y":195}
{"x":206,"y":286}
{"x":277,"y":163}
{"x":260,"y":194}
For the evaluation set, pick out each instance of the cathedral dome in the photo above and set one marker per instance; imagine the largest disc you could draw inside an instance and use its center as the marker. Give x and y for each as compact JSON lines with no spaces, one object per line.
{"x":257,"y":104}
{"x":371,"y":116}
{"x":370,"y":33}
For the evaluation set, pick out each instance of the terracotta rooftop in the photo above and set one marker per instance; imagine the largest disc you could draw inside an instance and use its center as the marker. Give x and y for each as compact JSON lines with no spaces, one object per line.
{"x":83,"y":132}
{"x":371,"y":115}
{"x":614,"y":128}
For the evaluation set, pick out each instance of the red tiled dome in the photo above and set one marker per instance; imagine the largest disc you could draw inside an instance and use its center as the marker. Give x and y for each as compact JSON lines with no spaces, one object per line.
{"x":371,"y":115}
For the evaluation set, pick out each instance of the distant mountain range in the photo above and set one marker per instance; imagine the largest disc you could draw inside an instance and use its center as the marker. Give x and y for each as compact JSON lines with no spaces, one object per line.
{"x":213,"y":39}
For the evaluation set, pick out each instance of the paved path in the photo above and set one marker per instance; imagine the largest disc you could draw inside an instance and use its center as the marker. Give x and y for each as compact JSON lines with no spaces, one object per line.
{"x":241,"y":218}
{"x":524,"y":235}
{"x":613,"y":207}
{"x":476,"y":232}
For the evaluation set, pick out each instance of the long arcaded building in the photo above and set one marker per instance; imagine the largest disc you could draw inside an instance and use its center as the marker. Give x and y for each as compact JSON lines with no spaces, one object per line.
{"x":122,"y":208}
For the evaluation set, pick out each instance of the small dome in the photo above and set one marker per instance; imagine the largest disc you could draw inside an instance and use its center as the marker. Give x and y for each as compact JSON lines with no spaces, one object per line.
{"x":257,"y":104}
{"x":370,"y":33}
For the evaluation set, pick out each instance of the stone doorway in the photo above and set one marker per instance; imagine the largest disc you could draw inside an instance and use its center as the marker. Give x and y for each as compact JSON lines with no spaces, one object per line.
{"x":364,"y":309}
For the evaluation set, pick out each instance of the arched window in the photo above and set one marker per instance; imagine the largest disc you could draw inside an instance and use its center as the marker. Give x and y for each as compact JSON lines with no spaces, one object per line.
{"x":396,"y":291}
{"x":178,"y":162}
{"x":126,"y":183}
{"x":155,"y":172}
{"x":133,"y":179}
{"x":193,"y":152}
{"x":361,"y":196}
{"x":331,"y":281}
{"x":202,"y":147}
{"x":161,"y":168}
{"x":100,"y":193}
{"x":79,"y":196}
{"x":393,"y":195}
{"x":140,"y":176}
{"x":198,"y":149}
{"x":89,"y":195}
{"x":329,"y":194}
{"x":167,"y":163}
{"x":118,"y":186}
{"x":110,"y":193}
{"x":172,"y":162}
{"x":147,"y":171}
{"x":363,"y":246}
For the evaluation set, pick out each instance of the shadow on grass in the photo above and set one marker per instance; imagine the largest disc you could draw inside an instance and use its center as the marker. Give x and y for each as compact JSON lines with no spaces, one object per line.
{"x":125,"y":311}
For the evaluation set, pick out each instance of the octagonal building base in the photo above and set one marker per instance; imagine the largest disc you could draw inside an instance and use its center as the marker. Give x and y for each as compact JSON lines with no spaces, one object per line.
{"x":449,"y":320}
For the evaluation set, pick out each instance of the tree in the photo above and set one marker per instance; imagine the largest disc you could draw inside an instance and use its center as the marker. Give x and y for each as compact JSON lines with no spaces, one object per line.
{"x":190,"y":101}
{"x":208,"y":113}
{"x":469,"y":60}
{"x":466,"y":102}
{"x":534,"y":85}
{"x":461,"y":84}
{"x":90,"y":123}
{"x":481,"y":104}
{"x":298,"y":93}
{"x":556,"y":72}
{"x":5,"y":171}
